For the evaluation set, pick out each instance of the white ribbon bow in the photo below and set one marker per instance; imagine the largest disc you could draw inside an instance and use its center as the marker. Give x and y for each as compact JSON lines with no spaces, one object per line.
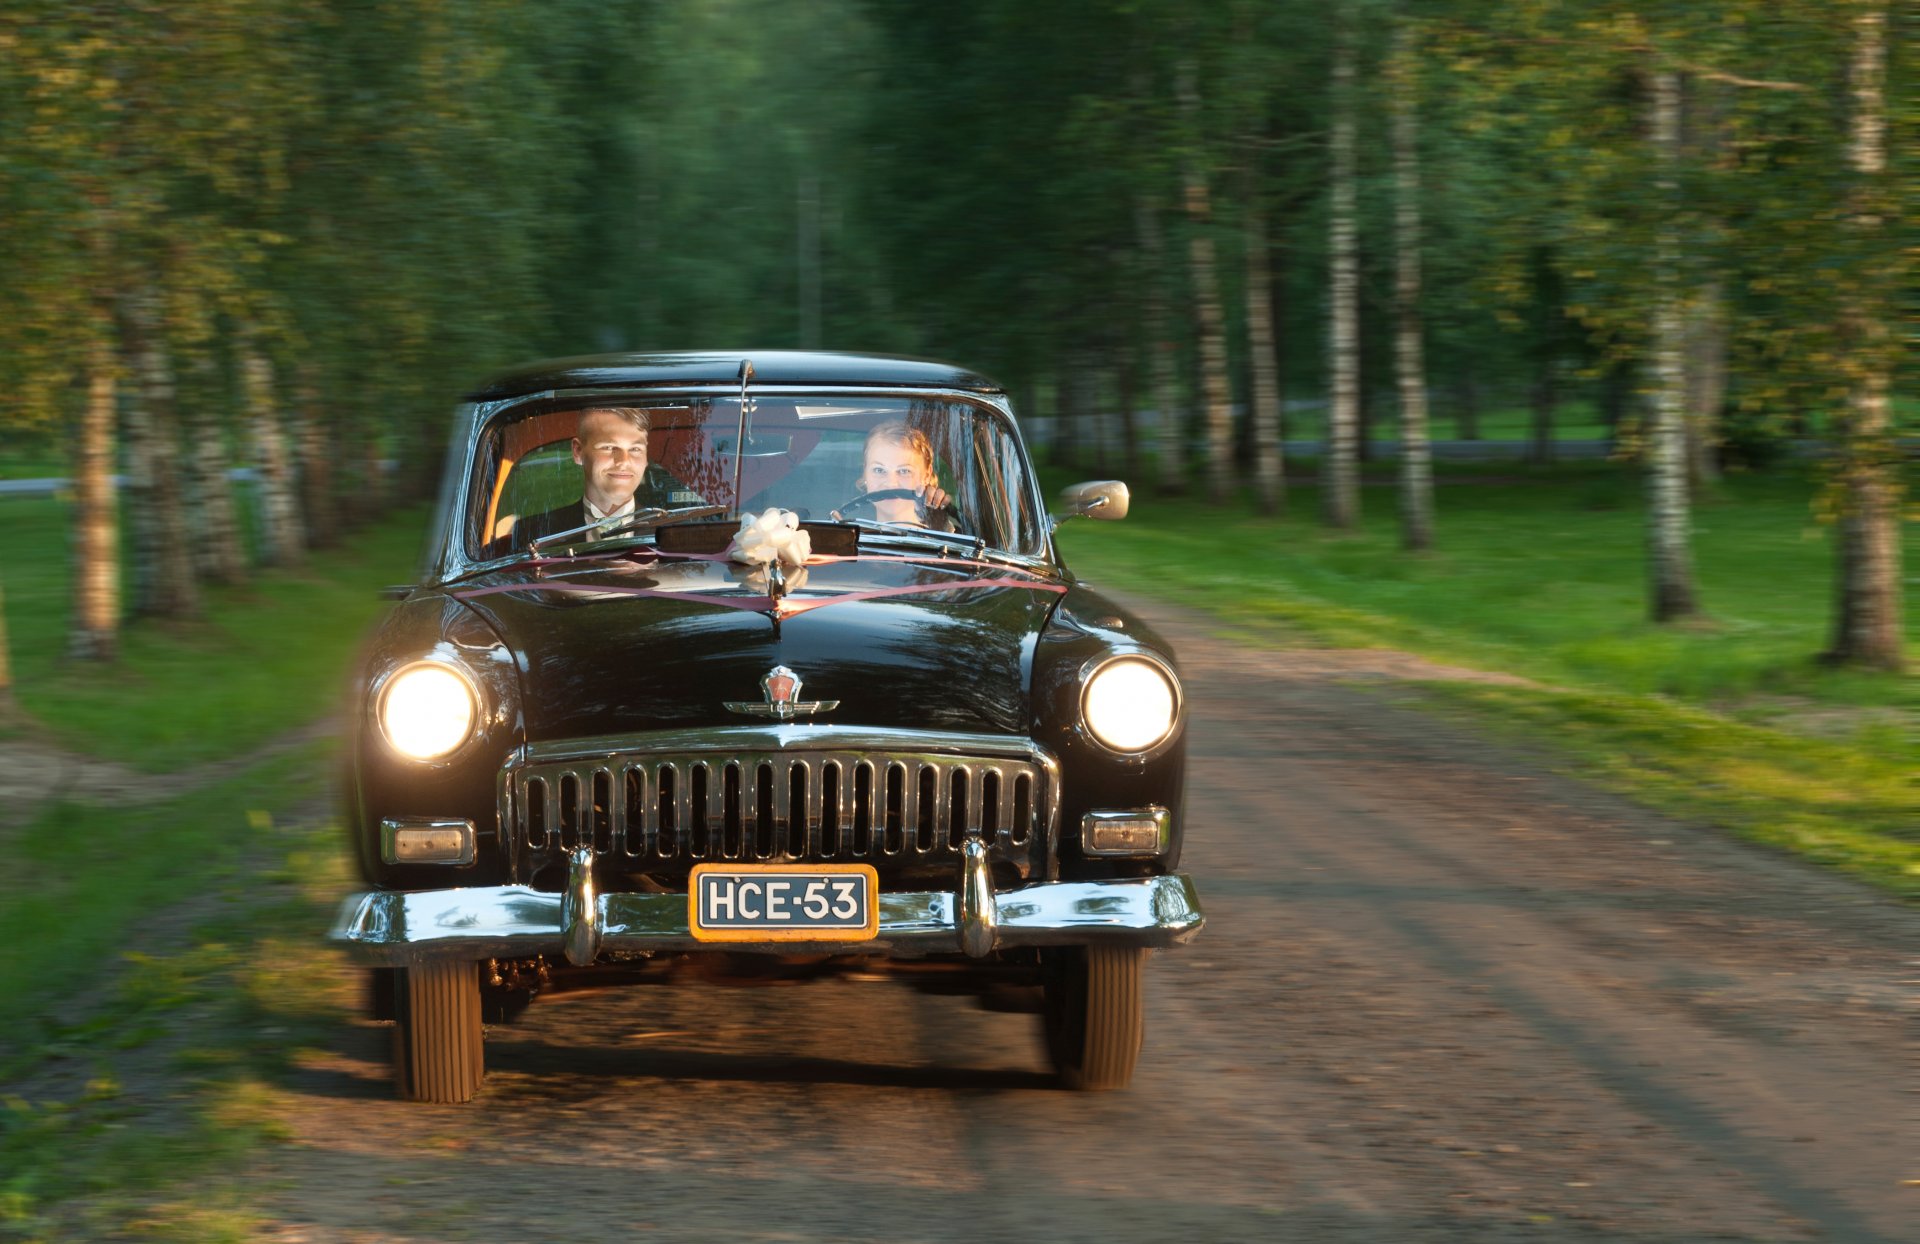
{"x":774,"y":536}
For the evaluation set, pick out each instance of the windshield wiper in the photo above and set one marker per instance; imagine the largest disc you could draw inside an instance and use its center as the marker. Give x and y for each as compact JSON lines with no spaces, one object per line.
{"x":616,"y":527}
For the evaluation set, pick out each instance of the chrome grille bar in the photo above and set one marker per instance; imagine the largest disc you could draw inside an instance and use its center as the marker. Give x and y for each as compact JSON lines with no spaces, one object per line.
{"x":788,"y":804}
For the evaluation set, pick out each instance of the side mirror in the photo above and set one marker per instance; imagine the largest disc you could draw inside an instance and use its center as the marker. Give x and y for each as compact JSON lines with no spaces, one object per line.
{"x":1097,"y":498}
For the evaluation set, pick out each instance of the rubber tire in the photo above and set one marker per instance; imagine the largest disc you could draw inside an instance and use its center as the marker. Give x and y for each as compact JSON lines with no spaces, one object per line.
{"x":1095,"y":1015}
{"x":439,"y":1053}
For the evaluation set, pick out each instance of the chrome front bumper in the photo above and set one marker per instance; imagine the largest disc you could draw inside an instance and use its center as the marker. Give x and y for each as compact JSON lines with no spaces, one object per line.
{"x":514,"y":922}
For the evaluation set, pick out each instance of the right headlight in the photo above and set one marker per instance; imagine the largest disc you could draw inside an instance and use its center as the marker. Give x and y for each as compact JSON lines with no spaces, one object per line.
{"x":428,"y":710}
{"x":1131,"y":704}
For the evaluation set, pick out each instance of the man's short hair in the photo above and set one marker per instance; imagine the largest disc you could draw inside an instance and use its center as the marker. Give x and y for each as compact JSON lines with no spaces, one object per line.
{"x":634,"y":415}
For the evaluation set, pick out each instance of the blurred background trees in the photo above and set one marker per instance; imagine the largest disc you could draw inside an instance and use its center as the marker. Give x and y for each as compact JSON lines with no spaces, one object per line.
{"x":279,"y":236}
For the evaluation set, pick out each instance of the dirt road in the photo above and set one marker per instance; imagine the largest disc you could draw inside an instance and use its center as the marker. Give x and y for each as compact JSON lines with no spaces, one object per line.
{"x":1442,"y":994}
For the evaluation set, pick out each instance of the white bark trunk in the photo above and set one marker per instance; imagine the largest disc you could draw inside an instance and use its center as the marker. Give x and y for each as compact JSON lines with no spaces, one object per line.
{"x":1416,"y":464}
{"x":1170,"y":438}
{"x":317,"y":509}
{"x":1867,"y":624}
{"x":1340,"y":492}
{"x":217,"y":555}
{"x":1706,"y":350}
{"x":1269,"y":483}
{"x":96,"y":520}
{"x":1206,"y":296}
{"x":1670,"y":556}
{"x":281,"y":540}
{"x":168,"y":587}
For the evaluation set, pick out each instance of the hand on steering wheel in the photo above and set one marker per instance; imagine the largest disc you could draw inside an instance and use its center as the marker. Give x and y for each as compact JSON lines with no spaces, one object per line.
{"x":863,"y":504}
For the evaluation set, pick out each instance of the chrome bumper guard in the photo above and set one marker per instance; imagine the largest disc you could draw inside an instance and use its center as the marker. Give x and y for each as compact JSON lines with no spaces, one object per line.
{"x":514,"y":922}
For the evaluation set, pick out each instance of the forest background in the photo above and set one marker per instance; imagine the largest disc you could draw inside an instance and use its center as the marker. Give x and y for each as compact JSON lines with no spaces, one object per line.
{"x":1250,"y":255}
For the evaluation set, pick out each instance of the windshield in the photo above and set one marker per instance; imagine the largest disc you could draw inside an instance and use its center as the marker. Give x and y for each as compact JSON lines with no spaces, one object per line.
{"x":890,"y":465}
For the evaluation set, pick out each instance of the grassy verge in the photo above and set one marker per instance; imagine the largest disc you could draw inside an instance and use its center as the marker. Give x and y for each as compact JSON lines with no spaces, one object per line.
{"x":160,"y":963}
{"x":268,"y":656}
{"x":1732,"y":720}
{"x":160,"y":1069}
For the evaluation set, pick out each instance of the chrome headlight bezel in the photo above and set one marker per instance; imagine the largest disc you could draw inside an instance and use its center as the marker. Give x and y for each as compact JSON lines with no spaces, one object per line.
{"x":382,"y":691}
{"x":1176,"y":720}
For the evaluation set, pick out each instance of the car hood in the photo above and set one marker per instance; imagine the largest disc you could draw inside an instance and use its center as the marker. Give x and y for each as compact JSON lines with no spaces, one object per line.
{"x":632,"y":645}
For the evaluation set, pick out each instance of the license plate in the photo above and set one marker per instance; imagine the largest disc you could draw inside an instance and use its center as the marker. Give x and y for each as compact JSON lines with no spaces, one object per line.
{"x":783,"y":903}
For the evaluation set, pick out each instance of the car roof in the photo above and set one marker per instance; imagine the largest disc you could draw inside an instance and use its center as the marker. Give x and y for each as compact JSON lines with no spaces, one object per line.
{"x":772,"y":368}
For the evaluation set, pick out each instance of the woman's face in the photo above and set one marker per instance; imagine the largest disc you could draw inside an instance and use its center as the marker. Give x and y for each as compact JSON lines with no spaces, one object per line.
{"x":893,"y":465}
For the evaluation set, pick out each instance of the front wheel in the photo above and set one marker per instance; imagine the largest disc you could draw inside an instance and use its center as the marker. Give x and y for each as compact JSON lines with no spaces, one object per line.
{"x":1095,"y":1014}
{"x":438,"y":1051}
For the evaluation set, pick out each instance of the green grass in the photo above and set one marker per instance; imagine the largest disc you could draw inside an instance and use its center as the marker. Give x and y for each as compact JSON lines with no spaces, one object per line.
{"x":170,"y":1064}
{"x":269,"y":655}
{"x":1732,"y":720}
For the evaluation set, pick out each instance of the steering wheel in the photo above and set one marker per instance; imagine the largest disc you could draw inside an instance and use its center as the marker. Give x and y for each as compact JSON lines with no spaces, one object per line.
{"x":861,"y":504}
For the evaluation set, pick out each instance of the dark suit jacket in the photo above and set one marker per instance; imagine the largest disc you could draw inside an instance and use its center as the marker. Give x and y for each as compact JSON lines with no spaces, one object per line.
{"x":657,"y":488}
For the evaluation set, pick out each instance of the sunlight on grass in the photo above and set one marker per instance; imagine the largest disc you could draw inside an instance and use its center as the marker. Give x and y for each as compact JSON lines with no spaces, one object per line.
{"x":269,"y":656}
{"x":1732,"y":721}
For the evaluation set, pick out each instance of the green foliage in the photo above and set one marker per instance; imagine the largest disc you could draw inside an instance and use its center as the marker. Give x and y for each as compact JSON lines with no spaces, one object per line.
{"x":192,"y":692}
{"x":1540,"y":575}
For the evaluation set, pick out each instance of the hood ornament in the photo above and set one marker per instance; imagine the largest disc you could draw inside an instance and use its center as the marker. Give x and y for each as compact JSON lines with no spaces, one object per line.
{"x":781,"y":686}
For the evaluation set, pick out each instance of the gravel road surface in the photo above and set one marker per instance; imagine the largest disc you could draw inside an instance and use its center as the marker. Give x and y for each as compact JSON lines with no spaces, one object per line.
{"x":1442,"y":995}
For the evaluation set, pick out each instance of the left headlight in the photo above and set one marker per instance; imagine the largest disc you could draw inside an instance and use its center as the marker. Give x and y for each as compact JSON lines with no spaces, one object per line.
{"x":1131,"y":704}
{"x":428,"y":710}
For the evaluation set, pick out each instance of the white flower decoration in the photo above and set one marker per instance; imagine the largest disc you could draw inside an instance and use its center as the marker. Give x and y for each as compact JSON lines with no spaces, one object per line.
{"x":774,"y":536}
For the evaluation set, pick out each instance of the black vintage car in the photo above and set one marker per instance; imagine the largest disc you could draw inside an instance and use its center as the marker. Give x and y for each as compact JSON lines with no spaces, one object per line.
{"x":733,"y":665}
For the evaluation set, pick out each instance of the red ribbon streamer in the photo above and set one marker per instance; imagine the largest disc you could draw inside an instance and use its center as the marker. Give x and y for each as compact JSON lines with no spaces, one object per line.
{"x":785,"y":607}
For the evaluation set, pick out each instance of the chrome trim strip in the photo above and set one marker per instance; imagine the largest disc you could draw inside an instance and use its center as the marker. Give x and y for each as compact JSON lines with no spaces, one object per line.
{"x":978,"y":913}
{"x":512,"y":922}
{"x":1162,"y":819}
{"x":797,"y":736}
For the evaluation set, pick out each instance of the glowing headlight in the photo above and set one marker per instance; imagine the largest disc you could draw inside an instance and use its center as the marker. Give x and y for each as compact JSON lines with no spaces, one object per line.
{"x":1130,"y":704}
{"x":427,"y":711}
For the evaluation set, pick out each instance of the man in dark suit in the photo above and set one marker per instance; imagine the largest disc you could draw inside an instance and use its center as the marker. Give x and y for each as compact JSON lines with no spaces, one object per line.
{"x":610,"y":446}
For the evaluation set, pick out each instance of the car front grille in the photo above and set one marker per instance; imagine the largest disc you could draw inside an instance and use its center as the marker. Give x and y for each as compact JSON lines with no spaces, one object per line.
{"x":661,"y":812}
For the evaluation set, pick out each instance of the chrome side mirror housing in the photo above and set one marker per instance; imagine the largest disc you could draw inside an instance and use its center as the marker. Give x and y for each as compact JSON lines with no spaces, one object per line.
{"x":1096,"y":498}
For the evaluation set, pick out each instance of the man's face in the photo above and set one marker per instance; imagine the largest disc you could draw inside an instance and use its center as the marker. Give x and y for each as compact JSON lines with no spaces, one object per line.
{"x":612,"y":454}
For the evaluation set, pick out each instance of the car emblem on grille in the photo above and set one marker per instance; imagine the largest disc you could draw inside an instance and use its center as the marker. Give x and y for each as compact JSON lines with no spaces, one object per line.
{"x":781,"y":686}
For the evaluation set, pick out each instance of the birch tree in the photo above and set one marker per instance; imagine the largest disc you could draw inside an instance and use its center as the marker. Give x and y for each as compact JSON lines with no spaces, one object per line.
{"x":1416,"y":466}
{"x":1669,"y":540}
{"x":1171,"y":422}
{"x":1340,"y":486}
{"x":282,"y":539}
{"x":1269,"y":483}
{"x":1867,"y":625}
{"x":1205,"y":282}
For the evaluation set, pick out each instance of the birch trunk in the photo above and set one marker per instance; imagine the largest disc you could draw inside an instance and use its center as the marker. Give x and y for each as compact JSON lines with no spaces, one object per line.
{"x":1416,"y":460}
{"x":1706,"y":382}
{"x":1543,"y":399}
{"x":217,"y":553}
{"x":1171,"y":422}
{"x":6,"y":663}
{"x":168,"y":588}
{"x":1127,"y":380}
{"x":318,"y":511}
{"x":96,"y":528}
{"x":1214,"y":384}
{"x":281,"y":540}
{"x":1670,"y":557}
{"x":1867,"y":617}
{"x":1340,"y":494}
{"x":1269,"y":485}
